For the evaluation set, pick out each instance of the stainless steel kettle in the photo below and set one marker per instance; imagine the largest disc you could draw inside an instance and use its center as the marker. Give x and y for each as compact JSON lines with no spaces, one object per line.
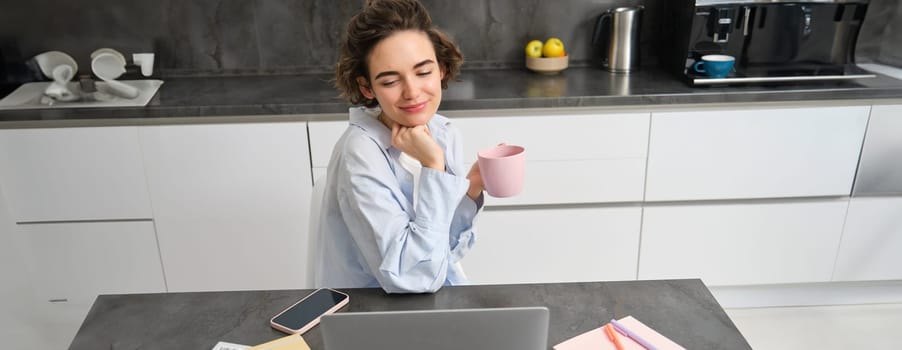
{"x":617,"y":38}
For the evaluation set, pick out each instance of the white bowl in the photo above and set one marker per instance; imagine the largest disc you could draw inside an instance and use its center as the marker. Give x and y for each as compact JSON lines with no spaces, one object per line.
{"x":107,"y":66}
{"x":113,"y":52}
{"x":51,"y":59}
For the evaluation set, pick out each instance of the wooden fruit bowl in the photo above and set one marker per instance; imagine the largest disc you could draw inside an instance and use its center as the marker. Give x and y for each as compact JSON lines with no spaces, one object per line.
{"x":547,"y":65}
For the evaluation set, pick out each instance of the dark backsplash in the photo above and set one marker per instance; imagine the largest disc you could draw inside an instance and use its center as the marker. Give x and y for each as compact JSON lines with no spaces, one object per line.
{"x":199,"y":37}
{"x":891,"y":38}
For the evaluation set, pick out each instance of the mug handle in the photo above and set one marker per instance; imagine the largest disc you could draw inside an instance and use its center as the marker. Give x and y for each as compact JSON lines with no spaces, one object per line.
{"x":698,"y":67}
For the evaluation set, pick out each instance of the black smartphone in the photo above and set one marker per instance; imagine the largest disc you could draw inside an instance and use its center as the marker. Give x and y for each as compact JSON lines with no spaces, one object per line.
{"x":304,"y":314}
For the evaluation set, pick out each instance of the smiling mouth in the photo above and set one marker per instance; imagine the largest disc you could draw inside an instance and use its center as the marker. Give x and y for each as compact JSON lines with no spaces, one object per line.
{"x":414,"y":108}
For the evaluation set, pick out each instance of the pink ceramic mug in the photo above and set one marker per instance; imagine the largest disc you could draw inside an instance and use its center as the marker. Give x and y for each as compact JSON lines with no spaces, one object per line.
{"x":503,"y":168}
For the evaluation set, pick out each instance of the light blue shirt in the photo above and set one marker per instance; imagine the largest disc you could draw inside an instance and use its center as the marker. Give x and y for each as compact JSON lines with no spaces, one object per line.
{"x":371,"y":234}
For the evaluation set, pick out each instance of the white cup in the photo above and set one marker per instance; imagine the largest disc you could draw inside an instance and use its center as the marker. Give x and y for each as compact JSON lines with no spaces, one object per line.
{"x":59,"y":88}
{"x":63,"y":73}
{"x":145,"y":60}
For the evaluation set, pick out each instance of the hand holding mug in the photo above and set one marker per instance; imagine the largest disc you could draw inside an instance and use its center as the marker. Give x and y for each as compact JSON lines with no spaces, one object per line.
{"x":476,"y":184}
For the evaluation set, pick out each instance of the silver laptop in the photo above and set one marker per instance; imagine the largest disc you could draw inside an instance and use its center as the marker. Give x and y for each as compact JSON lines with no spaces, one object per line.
{"x":520,"y":328}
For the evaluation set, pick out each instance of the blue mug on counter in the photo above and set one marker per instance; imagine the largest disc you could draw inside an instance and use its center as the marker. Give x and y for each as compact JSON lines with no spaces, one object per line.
{"x":715,"y":66}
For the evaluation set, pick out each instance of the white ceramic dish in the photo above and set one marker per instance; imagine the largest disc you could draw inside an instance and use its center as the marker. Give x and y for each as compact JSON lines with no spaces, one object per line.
{"x":113,"y":52}
{"x":51,"y":59}
{"x":107,"y":66}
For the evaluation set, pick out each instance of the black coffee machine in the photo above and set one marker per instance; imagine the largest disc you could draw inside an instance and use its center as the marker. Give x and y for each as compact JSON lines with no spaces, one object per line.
{"x":771,"y":40}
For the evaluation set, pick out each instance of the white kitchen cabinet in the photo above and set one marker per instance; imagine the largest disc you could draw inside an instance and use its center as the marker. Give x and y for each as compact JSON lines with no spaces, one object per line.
{"x":71,"y":263}
{"x":871,"y":247}
{"x":742,"y":243}
{"x":71,"y":174}
{"x":560,"y":137}
{"x":230,"y":203}
{"x":754,"y":153}
{"x":323,"y":136}
{"x":19,"y":323}
{"x":578,"y":181}
{"x":555,"y":245}
{"x":570,"y":158}
{"x":880,"y":168}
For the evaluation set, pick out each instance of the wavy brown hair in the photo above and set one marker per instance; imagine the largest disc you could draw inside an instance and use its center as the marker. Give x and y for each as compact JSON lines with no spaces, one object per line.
{"x":378,"y":20}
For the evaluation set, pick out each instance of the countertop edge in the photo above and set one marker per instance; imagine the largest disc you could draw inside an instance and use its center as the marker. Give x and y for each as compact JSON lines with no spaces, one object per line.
{"x":450,"y":112}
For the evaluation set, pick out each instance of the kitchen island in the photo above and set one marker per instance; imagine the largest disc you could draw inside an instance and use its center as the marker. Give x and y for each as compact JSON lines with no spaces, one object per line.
{"x":682,"y":310}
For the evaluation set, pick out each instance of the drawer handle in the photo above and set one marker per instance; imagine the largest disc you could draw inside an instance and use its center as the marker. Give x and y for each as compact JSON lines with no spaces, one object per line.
{"x":59,"y":300}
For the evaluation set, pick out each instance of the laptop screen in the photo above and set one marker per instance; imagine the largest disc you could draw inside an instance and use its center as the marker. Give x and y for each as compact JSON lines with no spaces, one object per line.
{"x":520,"y":328}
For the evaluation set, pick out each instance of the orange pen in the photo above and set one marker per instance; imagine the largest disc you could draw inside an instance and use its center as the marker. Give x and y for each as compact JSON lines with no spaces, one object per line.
{"x":612,"y":335}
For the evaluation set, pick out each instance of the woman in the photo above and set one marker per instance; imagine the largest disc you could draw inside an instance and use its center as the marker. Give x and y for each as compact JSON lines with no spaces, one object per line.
{"x":398,"y":209}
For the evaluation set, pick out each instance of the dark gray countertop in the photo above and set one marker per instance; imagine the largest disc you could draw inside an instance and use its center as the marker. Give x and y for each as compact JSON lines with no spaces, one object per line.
{"x":312,"y":97}
{"x":683,"y":310}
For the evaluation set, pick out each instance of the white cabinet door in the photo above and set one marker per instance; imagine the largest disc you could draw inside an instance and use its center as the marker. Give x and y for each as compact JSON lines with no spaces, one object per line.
{"x":71,"y":263}
{"x":578,"y":181}
{"x":739,"y":244}
{"x":572,"y":158}
{"x":73,"y":174}
{"x":880,"y":168}
{"x":231,"y":204}
{"x":756,"y":153}
{"x":560,"y":137}
{"x":871,"y":247}
{"x":19,"y":323}
{"x":555,"y":245}
{"x":323,"y":136}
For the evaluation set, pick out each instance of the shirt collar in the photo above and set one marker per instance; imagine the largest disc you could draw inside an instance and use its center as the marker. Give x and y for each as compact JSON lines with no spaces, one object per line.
{"x":366,"y":119}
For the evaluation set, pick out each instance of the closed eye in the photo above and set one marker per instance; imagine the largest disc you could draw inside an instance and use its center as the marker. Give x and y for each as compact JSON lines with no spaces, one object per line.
{"x":423,"y":74}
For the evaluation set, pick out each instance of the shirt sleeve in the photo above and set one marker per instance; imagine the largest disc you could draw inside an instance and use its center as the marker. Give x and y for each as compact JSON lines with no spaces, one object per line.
{"x":463,"y":231}
{"x":406,"y":255}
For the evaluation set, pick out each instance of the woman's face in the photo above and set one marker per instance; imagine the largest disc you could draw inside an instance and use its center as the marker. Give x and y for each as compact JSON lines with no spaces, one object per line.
{"x":405,"y":78}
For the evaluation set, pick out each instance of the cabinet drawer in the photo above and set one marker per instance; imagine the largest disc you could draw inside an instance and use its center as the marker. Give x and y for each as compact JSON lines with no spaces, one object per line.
{"x":579,"y":181}
{"x":871,"y":241}
{"x":880,"y":169}
{"x":73,"y":174}
{"x":560,"y":137}
{"x":767,"y":153}
{"x":77,"y":261}
{"x":554,"y":245}
{"x":323,"y":136}
{"x":586,"y":158}
{"x":739,"y":244}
